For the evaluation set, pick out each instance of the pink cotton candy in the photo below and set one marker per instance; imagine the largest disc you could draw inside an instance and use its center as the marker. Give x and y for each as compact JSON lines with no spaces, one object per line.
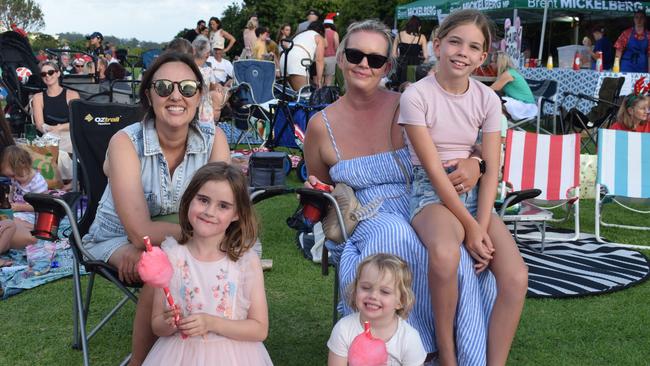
{"x":367,"y":350}
{"x":154,"y":268}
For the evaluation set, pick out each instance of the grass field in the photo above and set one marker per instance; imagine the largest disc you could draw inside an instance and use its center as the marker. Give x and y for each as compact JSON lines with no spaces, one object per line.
{"x":611,"y":329}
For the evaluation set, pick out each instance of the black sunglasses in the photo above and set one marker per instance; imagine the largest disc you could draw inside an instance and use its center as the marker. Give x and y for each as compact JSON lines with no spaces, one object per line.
{"x":48,"y":72}
{"x":355,"y":56}
{"x":78,"y":65}
{"x":165,"y":88}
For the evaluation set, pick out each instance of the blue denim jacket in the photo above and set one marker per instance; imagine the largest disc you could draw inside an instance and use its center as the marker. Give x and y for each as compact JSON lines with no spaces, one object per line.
{"x":162,"y":192}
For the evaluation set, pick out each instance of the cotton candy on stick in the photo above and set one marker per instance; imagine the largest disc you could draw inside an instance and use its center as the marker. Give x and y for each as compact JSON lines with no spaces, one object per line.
{"x":367,"y":350}
{"x":156,"y":270}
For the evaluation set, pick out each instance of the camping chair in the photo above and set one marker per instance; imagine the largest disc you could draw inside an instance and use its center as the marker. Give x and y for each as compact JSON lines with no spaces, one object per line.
{"x":601,"y":115}
{"x":91,"y":127}
{"x":550,"y":163}
{"x":253,"y":93}
{"x":623,"y":174}
{"x":545,"y":92}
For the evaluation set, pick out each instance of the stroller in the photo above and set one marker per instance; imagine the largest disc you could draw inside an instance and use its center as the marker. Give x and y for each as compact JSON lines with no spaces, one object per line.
{"x":15,"y":53}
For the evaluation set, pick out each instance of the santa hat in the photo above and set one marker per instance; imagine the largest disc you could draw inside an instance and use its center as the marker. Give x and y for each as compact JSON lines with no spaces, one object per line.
{"x":329,"y":18}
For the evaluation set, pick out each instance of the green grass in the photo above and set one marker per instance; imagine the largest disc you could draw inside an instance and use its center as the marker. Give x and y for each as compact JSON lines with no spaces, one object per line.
{"x":598,"y":330}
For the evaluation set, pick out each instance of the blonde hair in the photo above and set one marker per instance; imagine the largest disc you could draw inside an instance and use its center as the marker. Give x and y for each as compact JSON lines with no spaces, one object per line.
{"x":252,"y":24}
{"x":623,"y":116}
{"x":372,"y":26}
{"x":387,"y":263}
{"x":241,"y":234}
{"x":504,"y":62}
{"x":468,"y":16}
{"x":18,"y":159}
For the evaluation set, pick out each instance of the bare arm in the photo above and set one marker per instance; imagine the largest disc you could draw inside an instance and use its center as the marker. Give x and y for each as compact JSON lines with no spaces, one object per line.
{"x":231,"y":40}
{"x":320,"y":60}
{"x":315,"y":136}
{"x":491,"y":154}
{"x":395,"y":42}
{"x":336,"y":40}
{"x":126,"y":186}
{"x":37,"y":112}
{"x":220,"y":148}
{"x":335,"y":360}
{"x":423,"y":44}
{"x":501,"y":81}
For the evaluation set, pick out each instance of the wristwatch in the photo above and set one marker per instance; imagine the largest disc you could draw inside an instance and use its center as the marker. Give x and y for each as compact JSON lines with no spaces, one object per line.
{"x":481,"y":164}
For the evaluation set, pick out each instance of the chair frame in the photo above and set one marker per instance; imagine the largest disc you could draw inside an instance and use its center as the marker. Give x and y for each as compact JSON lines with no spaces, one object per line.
{"x":604,"y":197}
{"x":533,"y":211}
{"x":540,"y":93}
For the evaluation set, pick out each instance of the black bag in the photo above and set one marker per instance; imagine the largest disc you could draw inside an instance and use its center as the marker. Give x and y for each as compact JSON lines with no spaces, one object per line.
{"x":324,"y":95}
{"x":267,"y":169}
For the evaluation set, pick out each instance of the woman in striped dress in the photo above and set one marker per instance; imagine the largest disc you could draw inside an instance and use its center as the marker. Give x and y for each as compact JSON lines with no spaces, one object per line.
{"x":356,"y":141}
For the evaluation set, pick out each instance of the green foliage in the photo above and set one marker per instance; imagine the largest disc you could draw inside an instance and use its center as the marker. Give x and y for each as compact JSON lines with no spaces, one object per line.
{"x":41,"y":41}
{"x":26,"y":14}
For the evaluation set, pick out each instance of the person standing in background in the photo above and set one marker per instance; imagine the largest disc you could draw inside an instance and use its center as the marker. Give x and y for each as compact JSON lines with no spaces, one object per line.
{"x":331,"y":44}
{"x":632,"y":46}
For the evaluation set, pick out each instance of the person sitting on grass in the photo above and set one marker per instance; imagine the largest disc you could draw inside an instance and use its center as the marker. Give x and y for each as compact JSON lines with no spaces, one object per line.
{"x":17,"y":165}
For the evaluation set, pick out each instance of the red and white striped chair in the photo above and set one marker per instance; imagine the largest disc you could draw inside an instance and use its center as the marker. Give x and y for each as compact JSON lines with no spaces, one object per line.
{"x":550,"y":163}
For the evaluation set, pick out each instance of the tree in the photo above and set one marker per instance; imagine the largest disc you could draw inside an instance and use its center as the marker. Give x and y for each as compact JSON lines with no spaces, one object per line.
{"x":41,"y":41}
{"x":26,"y":14}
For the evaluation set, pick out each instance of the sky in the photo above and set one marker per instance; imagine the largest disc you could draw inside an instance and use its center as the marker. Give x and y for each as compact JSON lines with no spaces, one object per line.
{"x":146,"y":20}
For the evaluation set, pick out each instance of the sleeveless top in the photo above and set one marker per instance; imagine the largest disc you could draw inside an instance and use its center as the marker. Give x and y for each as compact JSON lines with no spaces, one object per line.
{"x":217,"y":40}
{"x":162,"y":192}
{"x":409,"y":53}
{"x":55,"y":109}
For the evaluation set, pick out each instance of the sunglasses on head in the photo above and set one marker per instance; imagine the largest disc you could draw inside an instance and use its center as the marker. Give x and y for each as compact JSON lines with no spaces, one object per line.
{"x":165,"y":88}
{"x":48,"y":72}
{"x":355,"y":56}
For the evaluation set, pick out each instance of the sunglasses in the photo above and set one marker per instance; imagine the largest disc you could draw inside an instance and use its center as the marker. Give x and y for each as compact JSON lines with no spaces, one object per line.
{"x":355,"y":56}
{"x":78,"y":65}
{"x":165,"y":88}
{"x":47,"y":73}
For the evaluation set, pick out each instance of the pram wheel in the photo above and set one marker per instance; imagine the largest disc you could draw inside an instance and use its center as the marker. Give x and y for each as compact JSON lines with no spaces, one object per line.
{"x":301,"y":170}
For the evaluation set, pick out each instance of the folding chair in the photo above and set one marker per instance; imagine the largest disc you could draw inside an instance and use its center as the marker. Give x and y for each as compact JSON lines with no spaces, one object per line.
{"x":253,"y":91}
{"x":623,"y":174}
{"x":601,"y":115}
{"x":91,"y":127}
{"x":545,"y":92}
{"x":550,"y":163}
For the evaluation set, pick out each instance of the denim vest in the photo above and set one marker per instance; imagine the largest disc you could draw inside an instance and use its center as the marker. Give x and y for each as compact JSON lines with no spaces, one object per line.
{"x":162,"y":192}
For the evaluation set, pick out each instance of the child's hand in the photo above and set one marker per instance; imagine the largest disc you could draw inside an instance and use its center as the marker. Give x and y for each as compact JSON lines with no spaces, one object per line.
{"x":195,"y":324}
{"x":479,"y":246}
{"x":170,"y":314}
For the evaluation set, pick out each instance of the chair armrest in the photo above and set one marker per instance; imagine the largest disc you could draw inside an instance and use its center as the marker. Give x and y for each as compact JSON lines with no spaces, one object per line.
{"x":513,"y":198}
{"x":590,"y":98}
{"x":262,"y":193}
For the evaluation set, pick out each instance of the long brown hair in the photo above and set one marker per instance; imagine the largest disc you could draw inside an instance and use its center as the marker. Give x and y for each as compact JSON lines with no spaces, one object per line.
{"x":241,"y":234}
{"x":467,"y":16}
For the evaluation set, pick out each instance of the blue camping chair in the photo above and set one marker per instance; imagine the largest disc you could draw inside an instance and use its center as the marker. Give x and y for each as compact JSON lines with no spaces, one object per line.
{"x":148,"y":57}
{"x":623,"y":174}
{"x":253,"y":95}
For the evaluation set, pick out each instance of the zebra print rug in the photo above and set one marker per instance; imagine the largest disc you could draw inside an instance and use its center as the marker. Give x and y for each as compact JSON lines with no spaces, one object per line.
{"x":579,"y":268}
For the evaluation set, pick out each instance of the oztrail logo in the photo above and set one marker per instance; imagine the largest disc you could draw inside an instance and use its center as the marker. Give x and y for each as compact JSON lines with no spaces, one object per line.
{"x":102,"y":120}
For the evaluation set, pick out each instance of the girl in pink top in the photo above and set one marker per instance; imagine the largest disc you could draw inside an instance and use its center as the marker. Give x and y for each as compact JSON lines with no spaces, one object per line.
{"x":442,"y":115}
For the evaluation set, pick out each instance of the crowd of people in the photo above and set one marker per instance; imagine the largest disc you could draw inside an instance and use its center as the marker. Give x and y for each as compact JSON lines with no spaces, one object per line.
{"x":430,"y":266}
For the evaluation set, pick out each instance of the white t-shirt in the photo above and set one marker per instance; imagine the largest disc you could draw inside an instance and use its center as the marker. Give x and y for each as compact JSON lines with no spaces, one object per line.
{"x":404,"y":347}
{"x":221,"y":69}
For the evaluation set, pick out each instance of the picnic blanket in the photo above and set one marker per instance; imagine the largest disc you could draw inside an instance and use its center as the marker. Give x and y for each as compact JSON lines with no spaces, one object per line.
{"x":39,"y":264}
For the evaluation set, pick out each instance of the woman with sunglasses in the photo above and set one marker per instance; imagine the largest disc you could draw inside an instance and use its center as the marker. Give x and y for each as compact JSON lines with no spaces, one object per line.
{"x":149,"y":164}
{"x":307,"y":45}
{"x":50,"y":113}
{"x":357,"y":141}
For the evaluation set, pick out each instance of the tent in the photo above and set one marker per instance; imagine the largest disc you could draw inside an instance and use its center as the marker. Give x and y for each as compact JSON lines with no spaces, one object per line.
{"x":527,"y":10}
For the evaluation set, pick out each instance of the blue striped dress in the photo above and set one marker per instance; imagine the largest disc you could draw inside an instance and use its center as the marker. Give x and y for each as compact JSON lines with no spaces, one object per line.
{"x":379,"y":176}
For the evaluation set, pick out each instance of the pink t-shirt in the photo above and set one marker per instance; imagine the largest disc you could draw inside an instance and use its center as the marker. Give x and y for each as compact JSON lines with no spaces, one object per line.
{"x":453,"y":120}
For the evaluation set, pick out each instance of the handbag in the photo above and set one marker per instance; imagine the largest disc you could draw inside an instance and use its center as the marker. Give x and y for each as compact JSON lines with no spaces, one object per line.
{"x":348,"y":204}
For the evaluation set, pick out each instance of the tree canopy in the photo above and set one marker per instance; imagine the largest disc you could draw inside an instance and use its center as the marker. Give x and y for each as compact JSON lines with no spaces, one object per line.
{"x":26,"y":14}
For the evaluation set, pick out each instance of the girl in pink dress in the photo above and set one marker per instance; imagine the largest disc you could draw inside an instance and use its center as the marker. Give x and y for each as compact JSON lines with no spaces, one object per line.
{"x":217,"y":283}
